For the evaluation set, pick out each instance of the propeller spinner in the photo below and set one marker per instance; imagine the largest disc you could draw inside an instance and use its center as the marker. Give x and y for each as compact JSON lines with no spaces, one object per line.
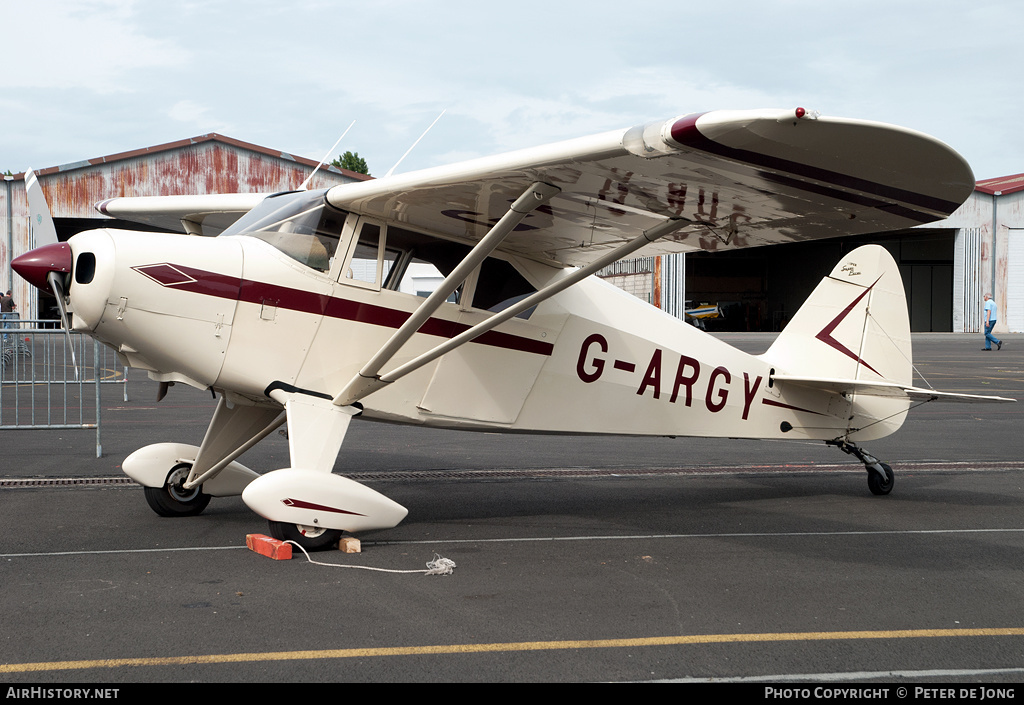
{"x":36,"y":266}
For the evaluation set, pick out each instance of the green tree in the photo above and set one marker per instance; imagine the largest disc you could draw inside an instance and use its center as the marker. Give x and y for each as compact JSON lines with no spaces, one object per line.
{"x":352,"y":162}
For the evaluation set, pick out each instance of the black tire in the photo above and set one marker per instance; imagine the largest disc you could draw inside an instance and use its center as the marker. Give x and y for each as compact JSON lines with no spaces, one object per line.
{"x":310,"y":538}
{"x":172,"y":500}
{"x":879,"y":486}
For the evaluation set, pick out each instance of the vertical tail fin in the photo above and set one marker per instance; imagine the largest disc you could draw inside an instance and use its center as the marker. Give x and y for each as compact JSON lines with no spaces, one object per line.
{"x":854,"y":326}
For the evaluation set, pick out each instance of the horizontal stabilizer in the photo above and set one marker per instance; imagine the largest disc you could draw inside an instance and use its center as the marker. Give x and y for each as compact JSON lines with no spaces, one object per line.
{"x":850,"y":341}
{"x":892,"y":390}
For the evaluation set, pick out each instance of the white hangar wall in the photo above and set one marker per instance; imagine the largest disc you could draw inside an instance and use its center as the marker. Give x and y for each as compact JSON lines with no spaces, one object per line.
{"x":989,"y":254}
{"x":985,"y":237}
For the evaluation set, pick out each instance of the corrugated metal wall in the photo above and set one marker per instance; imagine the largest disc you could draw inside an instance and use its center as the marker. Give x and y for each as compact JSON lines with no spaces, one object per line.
{"x":637,"y":276}
{"x":985,"y":260}
{"x":673,"y":285}
{"x":1015,"y":281}
{"x":967,"y":291}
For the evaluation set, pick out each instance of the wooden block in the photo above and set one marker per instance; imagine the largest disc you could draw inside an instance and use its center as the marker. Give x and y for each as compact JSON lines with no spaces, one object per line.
{"x":269,"y":547}
{"x":349,"y":544}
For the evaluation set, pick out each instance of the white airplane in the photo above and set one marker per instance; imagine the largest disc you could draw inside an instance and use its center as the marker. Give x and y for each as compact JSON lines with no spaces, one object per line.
{"x":293,"y":313}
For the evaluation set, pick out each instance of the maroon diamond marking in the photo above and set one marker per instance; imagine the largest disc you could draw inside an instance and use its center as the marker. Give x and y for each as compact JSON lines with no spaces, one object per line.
{"x":165,"y":274}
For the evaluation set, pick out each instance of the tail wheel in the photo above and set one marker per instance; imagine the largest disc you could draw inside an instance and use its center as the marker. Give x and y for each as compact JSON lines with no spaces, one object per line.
{"x":876,"y":484}
{"x":311,"y":538}
{"x":173,"y":500}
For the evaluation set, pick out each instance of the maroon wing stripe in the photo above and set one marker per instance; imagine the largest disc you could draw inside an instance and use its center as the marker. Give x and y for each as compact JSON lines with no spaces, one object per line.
{"x":685,"y":132}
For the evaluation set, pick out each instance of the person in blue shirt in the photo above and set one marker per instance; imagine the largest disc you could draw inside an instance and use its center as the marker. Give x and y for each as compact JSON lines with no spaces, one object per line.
{"x":989,"y":318}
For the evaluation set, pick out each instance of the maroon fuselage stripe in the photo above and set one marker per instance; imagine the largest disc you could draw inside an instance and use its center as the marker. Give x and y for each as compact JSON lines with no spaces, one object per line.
{"x":685,"y":132}
{"x":234,"y":288}
{"x":772,"y":402}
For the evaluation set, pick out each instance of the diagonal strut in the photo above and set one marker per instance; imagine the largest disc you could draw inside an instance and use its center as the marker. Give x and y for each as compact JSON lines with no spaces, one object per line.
{"x":368,"y":379}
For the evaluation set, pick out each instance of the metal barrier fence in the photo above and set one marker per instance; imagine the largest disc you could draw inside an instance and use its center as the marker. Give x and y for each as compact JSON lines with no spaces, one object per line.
{"x":42,"y":388}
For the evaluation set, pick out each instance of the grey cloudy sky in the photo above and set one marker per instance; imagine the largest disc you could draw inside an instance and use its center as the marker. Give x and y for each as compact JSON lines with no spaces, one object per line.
{"x":87,"y":78}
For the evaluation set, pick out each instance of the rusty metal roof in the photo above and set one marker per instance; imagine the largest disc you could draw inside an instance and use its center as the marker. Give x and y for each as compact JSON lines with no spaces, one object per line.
{"x":997,"y":186}
{"x":1001,"y":185}
{"x":170,"y":146}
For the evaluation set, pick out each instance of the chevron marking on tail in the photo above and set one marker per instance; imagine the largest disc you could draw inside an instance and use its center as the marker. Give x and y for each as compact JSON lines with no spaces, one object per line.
{"x":825,"y":334}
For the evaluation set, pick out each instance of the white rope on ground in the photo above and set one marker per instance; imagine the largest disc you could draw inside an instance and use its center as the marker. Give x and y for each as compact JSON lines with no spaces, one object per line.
{"x":438,"y":566}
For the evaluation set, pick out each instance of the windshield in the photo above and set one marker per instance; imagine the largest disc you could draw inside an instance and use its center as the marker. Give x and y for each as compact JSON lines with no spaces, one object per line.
{"x":300,"y":224}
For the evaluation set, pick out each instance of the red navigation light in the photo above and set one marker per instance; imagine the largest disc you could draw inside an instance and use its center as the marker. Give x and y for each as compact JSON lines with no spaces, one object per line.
{"x":800,"y":112}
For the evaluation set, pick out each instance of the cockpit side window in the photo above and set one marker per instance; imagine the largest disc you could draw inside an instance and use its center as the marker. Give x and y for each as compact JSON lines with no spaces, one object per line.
{"x":422,"y":262}
{"x":371,"y":262}
{"x":302,"y":225}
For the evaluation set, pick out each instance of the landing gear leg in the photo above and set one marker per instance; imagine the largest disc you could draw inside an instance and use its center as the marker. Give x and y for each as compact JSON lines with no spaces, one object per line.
{"x":880,"y":475}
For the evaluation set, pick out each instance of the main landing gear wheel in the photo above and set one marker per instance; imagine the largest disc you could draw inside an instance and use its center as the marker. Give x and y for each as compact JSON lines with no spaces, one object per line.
{"x":875,"y":482}
{"x":311,"y":538}
{"x":173,"y":500}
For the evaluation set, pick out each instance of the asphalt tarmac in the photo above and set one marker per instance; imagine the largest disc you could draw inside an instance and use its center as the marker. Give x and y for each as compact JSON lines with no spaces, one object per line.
{"x":577,"y":558}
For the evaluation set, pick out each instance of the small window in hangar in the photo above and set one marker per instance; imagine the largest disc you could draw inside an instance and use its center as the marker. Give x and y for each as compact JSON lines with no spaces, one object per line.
{"x":759,"y":289}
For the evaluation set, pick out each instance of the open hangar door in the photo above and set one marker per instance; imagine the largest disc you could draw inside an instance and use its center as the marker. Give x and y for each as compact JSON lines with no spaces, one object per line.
{"x":760,"y":289}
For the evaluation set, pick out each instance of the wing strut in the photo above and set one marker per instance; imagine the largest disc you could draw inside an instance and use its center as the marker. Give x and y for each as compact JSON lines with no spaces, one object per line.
{"x":352,"y":394}
{"x":368,"y":379}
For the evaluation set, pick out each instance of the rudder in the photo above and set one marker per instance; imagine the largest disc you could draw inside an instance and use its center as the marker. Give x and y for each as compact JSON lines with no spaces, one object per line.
{"x":854,"y":326}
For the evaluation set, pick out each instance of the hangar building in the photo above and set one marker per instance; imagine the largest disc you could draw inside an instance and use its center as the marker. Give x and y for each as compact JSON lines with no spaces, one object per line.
{"x":946,"y":266}
{"x":206,"y":164}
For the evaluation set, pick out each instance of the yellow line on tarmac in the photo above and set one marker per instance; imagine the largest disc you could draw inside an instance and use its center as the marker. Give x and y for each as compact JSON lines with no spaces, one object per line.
{"x":501,"y":647}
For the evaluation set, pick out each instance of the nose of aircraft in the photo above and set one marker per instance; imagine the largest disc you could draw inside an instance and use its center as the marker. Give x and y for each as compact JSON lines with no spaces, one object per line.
{"x":82,"y":269}
{"x":35,"y":266}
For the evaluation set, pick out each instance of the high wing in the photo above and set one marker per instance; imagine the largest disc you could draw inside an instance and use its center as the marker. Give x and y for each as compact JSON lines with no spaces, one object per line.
{"x":711,"y":181}
{"x":206,"y":214}
{"x":734,"y":179}
{"x":730,"y":178}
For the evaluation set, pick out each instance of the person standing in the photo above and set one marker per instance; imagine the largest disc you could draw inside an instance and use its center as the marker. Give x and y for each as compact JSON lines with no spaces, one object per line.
{"x":989,"y":311}
{"x":7,"y":307}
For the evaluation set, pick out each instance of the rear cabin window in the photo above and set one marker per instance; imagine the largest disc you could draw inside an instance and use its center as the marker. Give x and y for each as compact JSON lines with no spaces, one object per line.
{"x":500,"y":286}
{"x":422,"y":262}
